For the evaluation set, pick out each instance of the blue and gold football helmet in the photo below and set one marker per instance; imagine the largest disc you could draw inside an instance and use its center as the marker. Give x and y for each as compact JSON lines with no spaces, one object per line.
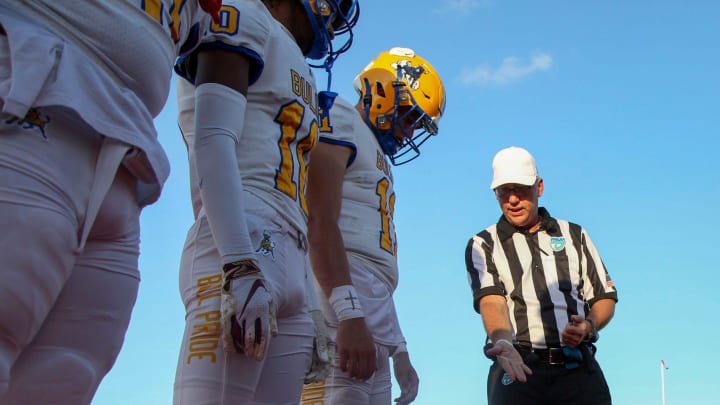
{"x":338,"y":15}
{"x":404,"y":99}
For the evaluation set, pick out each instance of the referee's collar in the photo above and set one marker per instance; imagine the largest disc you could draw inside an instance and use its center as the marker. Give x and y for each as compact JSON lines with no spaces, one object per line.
{"x":548,"y":224}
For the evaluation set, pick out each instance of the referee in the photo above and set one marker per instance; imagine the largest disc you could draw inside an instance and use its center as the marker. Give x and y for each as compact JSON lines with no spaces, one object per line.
{"x":543,"y":293}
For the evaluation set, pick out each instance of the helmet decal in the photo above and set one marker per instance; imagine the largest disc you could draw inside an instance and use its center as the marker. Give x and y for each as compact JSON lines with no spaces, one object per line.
{"x":410,"y":75}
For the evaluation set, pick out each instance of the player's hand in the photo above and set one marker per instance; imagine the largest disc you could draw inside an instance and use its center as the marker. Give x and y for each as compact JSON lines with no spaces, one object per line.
{"x":322,"y":358}
{"x":356,"y":349}
{"x":510,"y":360}
{"x":247,"y":310}
{"x":575,"y":331}
{"x":406,"y":377}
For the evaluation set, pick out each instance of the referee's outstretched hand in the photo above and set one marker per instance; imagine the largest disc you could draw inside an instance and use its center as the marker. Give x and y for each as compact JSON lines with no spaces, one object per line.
{"x":510,"y":360}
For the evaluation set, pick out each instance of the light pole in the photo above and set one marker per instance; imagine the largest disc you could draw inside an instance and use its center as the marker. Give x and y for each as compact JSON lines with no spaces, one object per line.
{"x":663,"y":367}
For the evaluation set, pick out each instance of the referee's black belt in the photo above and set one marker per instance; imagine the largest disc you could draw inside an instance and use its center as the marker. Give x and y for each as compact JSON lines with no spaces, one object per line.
{"x":551,"y":356}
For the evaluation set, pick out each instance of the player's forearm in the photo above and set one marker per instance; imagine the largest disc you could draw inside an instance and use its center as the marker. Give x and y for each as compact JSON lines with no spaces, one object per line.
{"x":602,"y":312}
{"x":328,"y":256}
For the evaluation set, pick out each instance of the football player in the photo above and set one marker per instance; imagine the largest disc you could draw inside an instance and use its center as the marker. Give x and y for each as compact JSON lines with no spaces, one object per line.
{"x":248,"y":113}
{"x":80,"y":84}
{"x":353,"y":246}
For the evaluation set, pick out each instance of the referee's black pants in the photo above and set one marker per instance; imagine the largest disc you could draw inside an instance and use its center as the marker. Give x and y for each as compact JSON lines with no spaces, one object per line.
{"x":551,"y":384}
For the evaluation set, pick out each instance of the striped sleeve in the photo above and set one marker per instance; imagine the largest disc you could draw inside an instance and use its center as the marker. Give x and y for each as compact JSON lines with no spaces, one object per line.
{"x":481,"y":271}
{"x":597,"y":283}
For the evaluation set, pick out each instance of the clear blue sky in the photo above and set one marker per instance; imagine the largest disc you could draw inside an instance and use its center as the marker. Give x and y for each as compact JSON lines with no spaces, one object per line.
{"x":620,"y":104}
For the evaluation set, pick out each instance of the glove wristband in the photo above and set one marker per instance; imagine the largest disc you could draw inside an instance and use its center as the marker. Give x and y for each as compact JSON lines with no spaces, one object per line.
{"x":240,"y":269}
{"x":344,"y":301}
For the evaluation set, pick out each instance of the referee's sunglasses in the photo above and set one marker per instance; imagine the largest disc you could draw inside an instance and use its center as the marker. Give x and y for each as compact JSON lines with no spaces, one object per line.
{"x":519,"y":191}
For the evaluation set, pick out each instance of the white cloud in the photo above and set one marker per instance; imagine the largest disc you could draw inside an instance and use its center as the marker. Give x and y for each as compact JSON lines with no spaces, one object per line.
{"x":511,"y":69}
{"x":461,"y":6}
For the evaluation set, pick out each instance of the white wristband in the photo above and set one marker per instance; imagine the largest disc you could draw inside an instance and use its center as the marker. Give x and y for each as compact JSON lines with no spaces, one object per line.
{"x":344,"y":301}
{"x":503,"y":341}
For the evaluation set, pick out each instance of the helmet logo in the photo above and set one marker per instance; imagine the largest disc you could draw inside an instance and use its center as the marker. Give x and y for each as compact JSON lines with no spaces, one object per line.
{"x":409,"y":74}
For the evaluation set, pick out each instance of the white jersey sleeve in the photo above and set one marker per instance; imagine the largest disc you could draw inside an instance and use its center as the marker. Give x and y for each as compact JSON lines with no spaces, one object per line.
{"x":368,"y":198}
{"x":281,"y":115}
{"x":244,"y":27}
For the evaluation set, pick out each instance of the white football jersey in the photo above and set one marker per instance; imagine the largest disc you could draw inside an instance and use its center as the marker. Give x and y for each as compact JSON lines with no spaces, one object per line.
{"x":281,"y":114}
{"x":368,"y":198}
{"x":135,"y":40}
{"x":110,"y":61}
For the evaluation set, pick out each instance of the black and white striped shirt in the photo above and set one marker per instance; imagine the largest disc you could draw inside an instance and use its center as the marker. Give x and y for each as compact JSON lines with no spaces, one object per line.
{"x":545,"y":276}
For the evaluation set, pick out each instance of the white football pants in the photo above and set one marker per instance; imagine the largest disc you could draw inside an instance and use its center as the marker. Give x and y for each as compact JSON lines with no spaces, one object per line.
{"x":69,"y":245}
{"x":207,"y":375}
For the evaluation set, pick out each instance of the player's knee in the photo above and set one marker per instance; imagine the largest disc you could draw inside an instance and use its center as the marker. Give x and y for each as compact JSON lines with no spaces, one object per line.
{"x":60,"y":378}
{"x":84,"y":372}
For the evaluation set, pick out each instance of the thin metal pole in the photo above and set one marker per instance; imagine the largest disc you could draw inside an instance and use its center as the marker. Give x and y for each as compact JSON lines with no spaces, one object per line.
{"x":662,"y":380}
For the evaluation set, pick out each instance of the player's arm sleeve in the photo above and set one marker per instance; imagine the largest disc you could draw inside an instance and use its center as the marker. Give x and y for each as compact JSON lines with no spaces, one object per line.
{"x":185,"y":93}
{"x":219,"y":120}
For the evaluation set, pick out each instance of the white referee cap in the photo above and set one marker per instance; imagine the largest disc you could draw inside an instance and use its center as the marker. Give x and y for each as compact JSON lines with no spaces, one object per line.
{"x":513,"y":165}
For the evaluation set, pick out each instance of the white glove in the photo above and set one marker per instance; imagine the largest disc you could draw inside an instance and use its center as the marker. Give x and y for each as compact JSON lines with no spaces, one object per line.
{"x":322,"y":358}
{"x":247,"y":310}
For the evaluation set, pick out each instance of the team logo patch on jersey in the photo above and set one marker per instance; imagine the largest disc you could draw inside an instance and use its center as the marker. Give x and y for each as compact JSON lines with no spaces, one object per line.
{"x":267,"y":246}
{"x":34,"y":119}
{"x":557,"y":243}
{"x":506,"y":380}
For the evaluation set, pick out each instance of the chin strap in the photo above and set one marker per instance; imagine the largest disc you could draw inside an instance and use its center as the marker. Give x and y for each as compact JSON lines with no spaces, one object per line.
{"x":326,"y":98}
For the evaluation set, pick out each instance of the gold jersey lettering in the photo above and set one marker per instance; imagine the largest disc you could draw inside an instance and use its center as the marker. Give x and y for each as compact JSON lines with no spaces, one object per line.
{"x":303,"y":89}
{"x":205,"y":337}
{"x":313,"y":394}
{"x":208,"y":287}
{"x":383,"y":165}
{"x":156,"y":10}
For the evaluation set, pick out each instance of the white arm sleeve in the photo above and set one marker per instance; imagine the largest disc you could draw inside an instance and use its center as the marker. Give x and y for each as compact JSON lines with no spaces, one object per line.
{"x":219,"y":119}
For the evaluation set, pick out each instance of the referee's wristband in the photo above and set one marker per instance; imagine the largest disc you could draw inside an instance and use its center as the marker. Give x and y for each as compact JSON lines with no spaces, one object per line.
{"x":344,"y":301}
{"x":591,"y":337}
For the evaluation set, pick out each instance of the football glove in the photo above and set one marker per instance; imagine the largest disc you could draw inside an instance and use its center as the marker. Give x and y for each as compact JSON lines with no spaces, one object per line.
{"x":322,"y":358}
{"x":247,"y":310}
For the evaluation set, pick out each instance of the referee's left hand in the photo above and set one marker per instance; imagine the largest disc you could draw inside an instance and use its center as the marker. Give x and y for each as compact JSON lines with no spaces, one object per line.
{"x":575,"y":331}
